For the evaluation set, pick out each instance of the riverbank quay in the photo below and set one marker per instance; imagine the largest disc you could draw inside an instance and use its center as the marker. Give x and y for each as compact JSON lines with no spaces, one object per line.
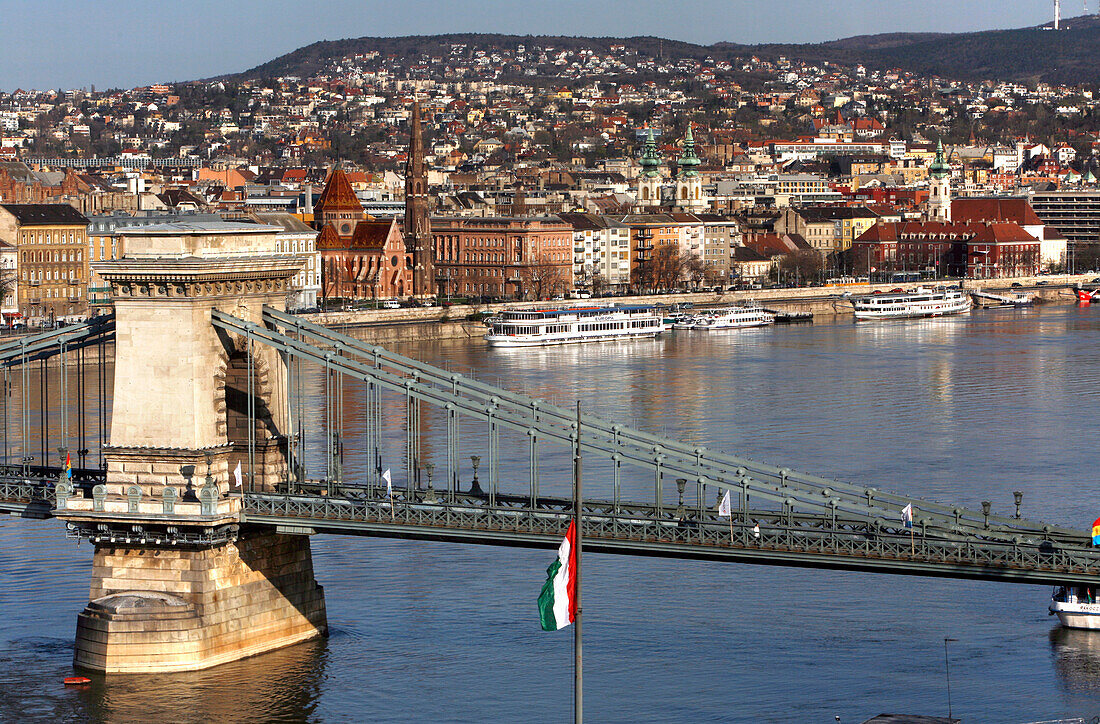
{"x":425,"y":324}
{"x":419,"y":324}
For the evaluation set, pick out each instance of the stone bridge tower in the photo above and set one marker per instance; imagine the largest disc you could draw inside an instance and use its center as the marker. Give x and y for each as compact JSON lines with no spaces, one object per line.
{"x":178,"y":583}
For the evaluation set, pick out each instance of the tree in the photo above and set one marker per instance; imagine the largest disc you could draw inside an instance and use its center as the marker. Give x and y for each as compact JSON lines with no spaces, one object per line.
{"x":542,"y":277}
{"x":801,"y":266}
{"x":7,"y":284}
{"x":694,"y":268}
{"x":599,"y":284}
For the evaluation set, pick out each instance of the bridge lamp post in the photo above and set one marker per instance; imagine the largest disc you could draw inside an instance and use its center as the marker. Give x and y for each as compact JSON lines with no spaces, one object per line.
{"x":1019,"y":499}
{"x":429,"y":494}
{"x":985,"y":511}
{"x":947,"y":671}
{"x":475,"y":487}
{"x":61,"y":452}
{"x":681,"y":484}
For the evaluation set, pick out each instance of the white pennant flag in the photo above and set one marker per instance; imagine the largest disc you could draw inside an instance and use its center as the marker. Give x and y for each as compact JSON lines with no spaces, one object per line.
{"x":724,"y":506}
{"x":907,"y":515}
{"x":389,"y":483}
{"x":237,"y":474}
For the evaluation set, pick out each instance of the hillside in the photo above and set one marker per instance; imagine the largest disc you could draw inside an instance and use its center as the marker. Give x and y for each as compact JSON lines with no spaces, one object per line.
{"x":1024,"y":54}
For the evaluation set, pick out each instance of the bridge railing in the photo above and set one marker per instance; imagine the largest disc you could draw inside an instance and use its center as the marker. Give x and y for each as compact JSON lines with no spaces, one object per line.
{"x":639,"y":528}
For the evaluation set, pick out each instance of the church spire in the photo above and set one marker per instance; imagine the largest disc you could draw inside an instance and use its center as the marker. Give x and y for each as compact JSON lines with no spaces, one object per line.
{"x":939,"y":167}
{"x":651,"y":159}
{"x":418,"y":234}
{"x":688,"y":162}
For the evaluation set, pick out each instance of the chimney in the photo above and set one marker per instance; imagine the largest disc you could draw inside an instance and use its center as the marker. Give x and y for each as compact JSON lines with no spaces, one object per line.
{"x":308,"y":206}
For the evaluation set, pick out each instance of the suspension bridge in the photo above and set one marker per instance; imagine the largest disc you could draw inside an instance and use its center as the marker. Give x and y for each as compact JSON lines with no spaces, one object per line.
{"x":208,"y":385}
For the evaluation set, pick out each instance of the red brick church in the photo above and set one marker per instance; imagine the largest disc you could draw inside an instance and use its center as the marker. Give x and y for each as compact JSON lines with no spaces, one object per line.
{"x":367,"y":258}
{"x":361,"y":257}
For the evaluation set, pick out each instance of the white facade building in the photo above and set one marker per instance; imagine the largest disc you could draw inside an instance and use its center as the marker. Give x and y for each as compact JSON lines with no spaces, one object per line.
{"x":9,"y":306}
{"x":601,"y":246}
{"x":295,"y":238}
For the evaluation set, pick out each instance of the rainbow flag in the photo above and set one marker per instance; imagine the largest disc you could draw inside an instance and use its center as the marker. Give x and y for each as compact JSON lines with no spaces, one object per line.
{"x":68,"y":466}
{"x":1096,"y":532}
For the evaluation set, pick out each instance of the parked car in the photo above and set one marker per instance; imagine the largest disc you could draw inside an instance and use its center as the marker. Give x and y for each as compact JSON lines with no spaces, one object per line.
{"x":1042,"y":283}
{"x":1017,"y":284}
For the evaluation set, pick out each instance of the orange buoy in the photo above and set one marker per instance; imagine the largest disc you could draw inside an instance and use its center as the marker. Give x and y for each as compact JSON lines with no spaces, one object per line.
{"x":77,"y":680}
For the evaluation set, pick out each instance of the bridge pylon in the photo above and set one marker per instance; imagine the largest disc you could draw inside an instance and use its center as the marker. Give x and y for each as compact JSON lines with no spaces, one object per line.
{"x":178,"y":584}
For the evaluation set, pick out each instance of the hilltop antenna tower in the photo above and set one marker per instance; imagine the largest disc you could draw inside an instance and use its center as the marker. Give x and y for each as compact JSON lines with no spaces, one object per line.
{"x":1057,"y":13}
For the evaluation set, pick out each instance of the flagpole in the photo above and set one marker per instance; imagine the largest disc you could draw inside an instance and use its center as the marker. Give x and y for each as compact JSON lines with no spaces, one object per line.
{"x":578,"y":678}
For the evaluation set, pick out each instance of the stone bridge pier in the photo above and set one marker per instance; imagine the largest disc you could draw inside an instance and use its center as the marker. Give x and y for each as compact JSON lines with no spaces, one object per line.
{"x":178,"y":584}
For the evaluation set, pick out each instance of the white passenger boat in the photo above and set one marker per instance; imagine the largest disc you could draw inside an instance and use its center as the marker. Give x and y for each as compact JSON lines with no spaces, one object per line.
{"x":735,"y":318}
{"x":542,"y":327}
{"x":922,"y":302}
{"x":685,"y":321}
{"x":1076,"y":606}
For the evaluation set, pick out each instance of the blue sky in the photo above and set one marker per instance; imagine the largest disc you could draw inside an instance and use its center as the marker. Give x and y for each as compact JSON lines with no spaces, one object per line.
{"x":125,"y":43}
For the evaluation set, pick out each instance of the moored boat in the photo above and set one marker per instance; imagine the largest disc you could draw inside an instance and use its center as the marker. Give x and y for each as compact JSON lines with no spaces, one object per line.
{"x":736,"y":318}
{"x":1076,"y":606}
{"x":543,"y":327}
{"x":987,"y":300}
{"x":922,"y":302}
{"x":1087,"y":295}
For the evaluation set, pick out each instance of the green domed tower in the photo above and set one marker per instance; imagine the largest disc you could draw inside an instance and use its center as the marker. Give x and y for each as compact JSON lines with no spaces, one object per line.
{"x":649,"y":178}
{"x":689,"y":162}
{"x":939,"y":187}
{"x":689,"y":186}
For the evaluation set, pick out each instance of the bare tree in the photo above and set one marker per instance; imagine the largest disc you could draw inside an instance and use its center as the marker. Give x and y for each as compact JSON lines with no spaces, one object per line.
{"x":801,"y":266}
{"x":7,"y":283}
{"x":599,"y":283}
{"x":542,"y":277}
{"x":667,"y":267}
{"x":694,"y":268}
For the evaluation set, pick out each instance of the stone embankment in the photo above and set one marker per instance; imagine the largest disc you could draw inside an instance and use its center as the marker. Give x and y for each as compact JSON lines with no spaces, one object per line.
{"x":420,"y":324}
{"x":387,"y":326}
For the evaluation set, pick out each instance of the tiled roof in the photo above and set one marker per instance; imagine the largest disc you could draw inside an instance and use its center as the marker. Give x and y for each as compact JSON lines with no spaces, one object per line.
{"x":338,"y":195}
{"x":979,"y":209}
{"x":38,"y":214}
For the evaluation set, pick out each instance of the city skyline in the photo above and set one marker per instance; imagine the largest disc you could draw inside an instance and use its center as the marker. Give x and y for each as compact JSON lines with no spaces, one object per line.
{"x":138,"y":44}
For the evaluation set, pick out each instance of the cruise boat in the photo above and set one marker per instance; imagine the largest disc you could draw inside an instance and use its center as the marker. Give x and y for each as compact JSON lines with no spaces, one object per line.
{"x":542,"y":327}
{"x":735,"y":318}
{"x":1076,"y":606}
{"x":922,"y":302}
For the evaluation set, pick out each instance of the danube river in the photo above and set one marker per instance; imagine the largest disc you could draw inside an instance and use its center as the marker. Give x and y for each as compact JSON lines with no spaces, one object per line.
{"x":962,"y":410}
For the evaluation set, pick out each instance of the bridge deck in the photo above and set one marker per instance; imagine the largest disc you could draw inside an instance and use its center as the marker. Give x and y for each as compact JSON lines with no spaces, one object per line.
{"x":754,"y":536}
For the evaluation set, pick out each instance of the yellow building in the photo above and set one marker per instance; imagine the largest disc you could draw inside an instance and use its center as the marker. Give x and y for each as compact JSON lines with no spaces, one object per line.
{"x":651,"y":236}
{"x":51,"y":262}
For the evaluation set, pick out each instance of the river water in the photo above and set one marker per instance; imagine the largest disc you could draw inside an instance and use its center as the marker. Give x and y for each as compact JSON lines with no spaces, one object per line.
{"x":961,"y":410}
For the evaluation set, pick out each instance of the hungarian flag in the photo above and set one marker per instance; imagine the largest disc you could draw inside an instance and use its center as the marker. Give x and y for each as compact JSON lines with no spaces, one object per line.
{"x":558,"y":600}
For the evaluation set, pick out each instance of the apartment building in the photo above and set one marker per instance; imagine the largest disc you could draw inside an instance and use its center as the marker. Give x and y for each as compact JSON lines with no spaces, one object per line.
{"x":51,"y":261}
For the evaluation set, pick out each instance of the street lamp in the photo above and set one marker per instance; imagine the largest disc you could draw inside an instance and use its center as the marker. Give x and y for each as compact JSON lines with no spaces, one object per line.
{"x":1019,"y":499}
{"x":947,"y":672}
{"x":475,"y":487}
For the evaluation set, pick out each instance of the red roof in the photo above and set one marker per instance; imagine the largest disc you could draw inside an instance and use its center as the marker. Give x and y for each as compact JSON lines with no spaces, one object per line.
{"x":977,"y":209}
{"x":372,"y":234}
{"x":931,"y":231}
{"x":338,"y":195}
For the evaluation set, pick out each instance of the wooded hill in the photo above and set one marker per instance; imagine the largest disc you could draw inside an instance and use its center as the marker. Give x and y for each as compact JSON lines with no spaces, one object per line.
{"x":1025,"y":55}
